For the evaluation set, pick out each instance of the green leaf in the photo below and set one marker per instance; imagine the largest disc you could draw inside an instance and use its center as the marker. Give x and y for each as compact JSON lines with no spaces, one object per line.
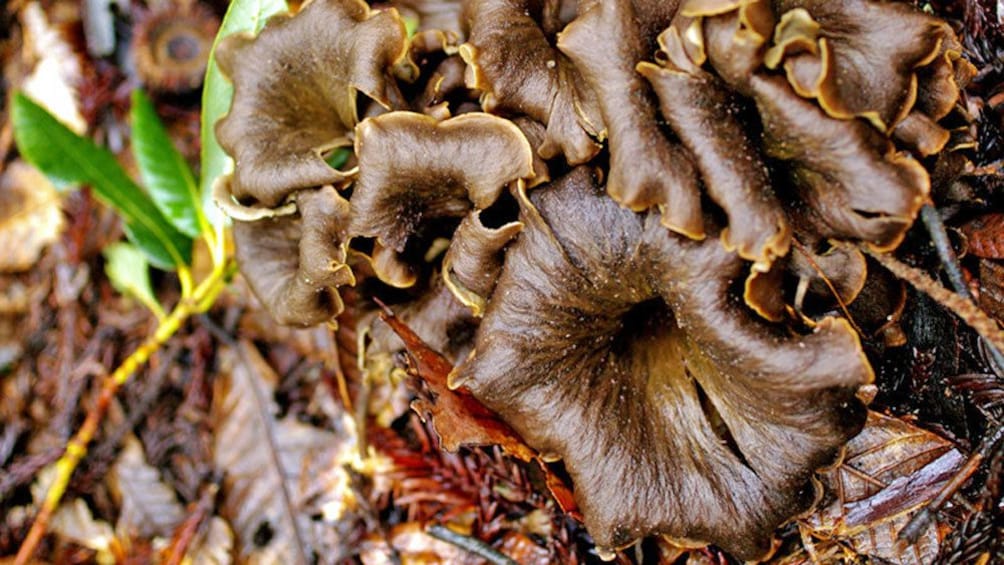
{"x":129,"y":273}
{"x":166,"y":175}
{"x":67,"y":159}
{"x":338,"y":157}
{"x":242,"y":16}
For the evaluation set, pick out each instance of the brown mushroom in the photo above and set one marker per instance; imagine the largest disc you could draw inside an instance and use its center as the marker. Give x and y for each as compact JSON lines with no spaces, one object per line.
{"x":295,"y":263}
{"x":852,"y":181}
{"x":512,"y":60}
{"x":618,"y":347}
{"x":413,"y":169}
{"x":295,"y":91}
{"x":858,"y":58}
{"x":646,"y":169}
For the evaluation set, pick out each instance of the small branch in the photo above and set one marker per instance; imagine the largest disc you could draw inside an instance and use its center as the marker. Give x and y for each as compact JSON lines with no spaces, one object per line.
{"x":469,"y":544}
{"x":76,"y":448}
{"x":950,"y":262}
{"x":184,"y":534}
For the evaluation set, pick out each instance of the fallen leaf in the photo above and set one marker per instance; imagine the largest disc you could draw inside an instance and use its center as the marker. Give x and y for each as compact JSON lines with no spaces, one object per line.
{"x":75,"y":522}
{"x":56,"y":72}
{"x":890,"y":470}
{"x":408,"y":543}
{"x":279,"y":474}
{"x":215,"y":546}
{"x":30,"y":218}
{"x":149,"y":508}
{"x":992,"y":288}
{"x":458,"y":418}
{"x":986,"y":236}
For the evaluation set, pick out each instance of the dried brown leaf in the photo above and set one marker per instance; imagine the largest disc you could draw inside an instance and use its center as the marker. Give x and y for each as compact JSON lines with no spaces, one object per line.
{"x":75,"y":522}
{"x":408,"y":543}
{"x":279,"y":473}
{"x":30,"y":218}
{"x":458,"y":418}
{"x":986,"y":236}
{"x":57,"y":70}
{"x":215,"y":546}
{"x":149,"y":507}
{"x":891,"y":469}
{"x":992,"y":288}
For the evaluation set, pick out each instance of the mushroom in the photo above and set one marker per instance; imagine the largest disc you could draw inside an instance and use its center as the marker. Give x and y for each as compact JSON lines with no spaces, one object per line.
{"x":413,"y":169}
{"x":294,"y":263}
{"x":646,"y":169}
{"x":611,"y":332}
{"x":295,"y":91}
{"x":540,"y":82}
{"x":171,"y":45}
{"x":619,"y":347}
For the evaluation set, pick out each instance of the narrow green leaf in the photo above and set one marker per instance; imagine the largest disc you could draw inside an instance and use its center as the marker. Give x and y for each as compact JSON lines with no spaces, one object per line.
{"x":129,"y":273}
{"x":242,"y":16}
{"x":166,"y":175}
{"x":339,"y":157}
{"x":67,"y":158}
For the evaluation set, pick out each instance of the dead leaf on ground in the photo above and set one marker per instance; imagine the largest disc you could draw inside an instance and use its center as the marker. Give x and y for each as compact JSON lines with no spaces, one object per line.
{"x":149,"y":507}
{"x":992,"y":288}
{"x":57,"y":71}
{"x":986,"y":236}
{"x":279,"y":474}
{"x":30,"y":218}
{"x":458,"y":418}
{"x":890,"y":470}
{"x":408,"y":543}
{"x":214,"y":546}
{"x":75,"y":522}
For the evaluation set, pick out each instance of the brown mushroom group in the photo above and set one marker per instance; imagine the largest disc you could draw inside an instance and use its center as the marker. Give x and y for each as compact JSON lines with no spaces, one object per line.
{"x":611,"y":194}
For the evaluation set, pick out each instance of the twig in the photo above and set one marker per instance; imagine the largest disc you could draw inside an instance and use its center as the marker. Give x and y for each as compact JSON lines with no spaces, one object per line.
{"x":950,"y":262}
{"x":963,"y":308}
{"x":829,"y":284}
{"x":922,"y":519}
{"x":469,"y":544}
{"x":198,"y":511}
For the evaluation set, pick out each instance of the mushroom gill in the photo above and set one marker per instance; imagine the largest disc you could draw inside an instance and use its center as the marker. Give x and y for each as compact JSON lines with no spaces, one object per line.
{"x":621,"y":348}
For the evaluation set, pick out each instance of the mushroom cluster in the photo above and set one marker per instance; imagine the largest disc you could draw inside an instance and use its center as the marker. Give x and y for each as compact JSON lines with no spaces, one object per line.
{"x":590,"y":207}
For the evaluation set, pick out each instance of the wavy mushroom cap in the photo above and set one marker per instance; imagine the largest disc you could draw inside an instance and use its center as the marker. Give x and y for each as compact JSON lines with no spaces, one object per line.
{"x":513,"y":62}
{"x":413,"y":168}
{"x":295,"y":263}
{"x":858,"y":58}
{"x":852,"y":181}
{"x":605,"y":42}
{"x":621,"y":348}
{"x":295,"y":90}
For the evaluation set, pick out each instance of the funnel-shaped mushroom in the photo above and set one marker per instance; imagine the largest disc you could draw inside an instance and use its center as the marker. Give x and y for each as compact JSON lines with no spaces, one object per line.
{"x":621,"y":348}
{"x":858,"y":58}
{"x":413,"y":168}
{"x":853,"y":182}
{"x":295,"y":90}
{"x":605,"y":42}
{"x":705,"y":115}
{"x":511,"y":59}
{"x":295,"y":263}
